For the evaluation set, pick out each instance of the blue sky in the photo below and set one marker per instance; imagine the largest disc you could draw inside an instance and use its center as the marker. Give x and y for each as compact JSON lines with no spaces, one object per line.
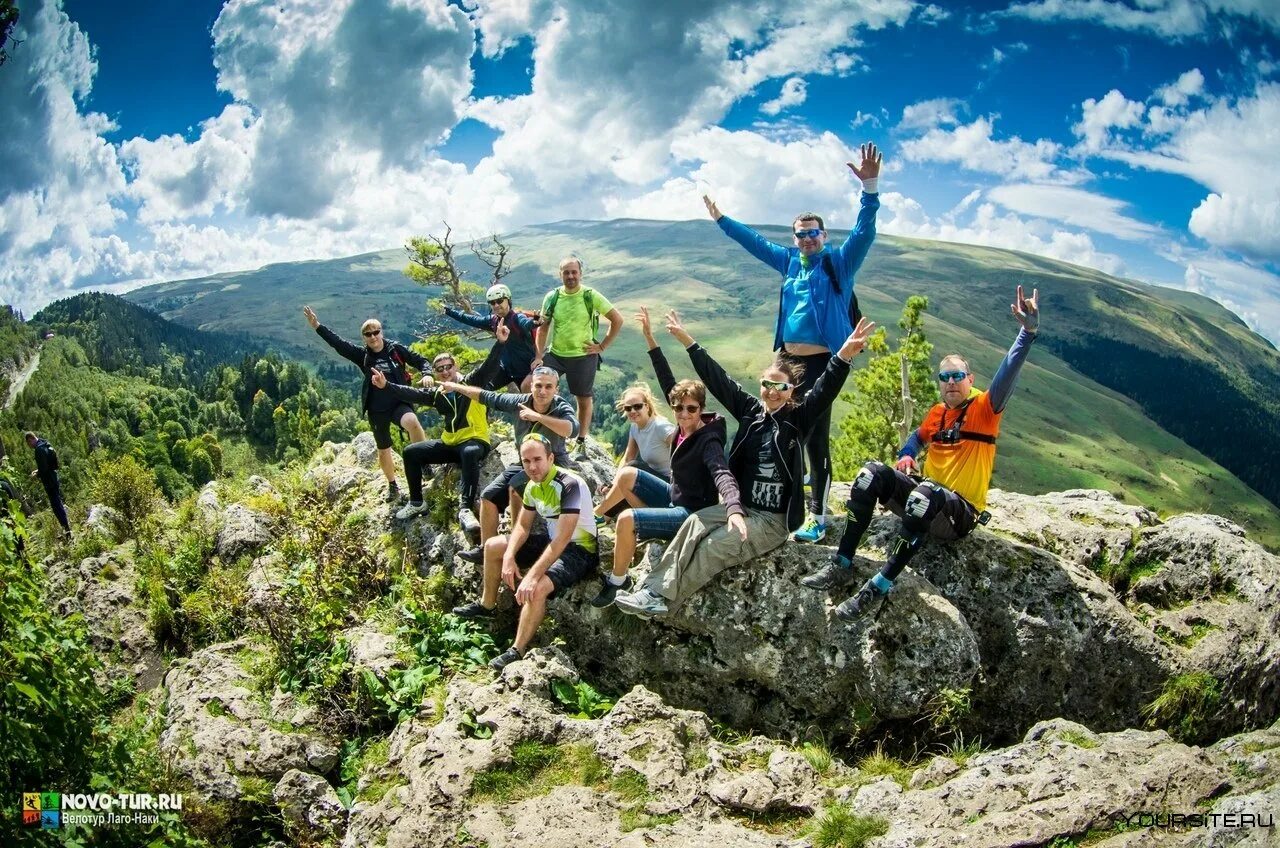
{"x":154,"y":141}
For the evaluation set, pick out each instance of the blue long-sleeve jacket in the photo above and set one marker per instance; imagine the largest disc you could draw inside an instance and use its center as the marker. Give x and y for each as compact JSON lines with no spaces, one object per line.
{"x":518,"y":355}
{"x":830,"y":302}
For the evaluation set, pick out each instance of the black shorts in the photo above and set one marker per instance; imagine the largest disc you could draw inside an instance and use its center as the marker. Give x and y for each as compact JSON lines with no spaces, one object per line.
{"x":575,"y":564}
{"x":579,"y":371}
{"x":381,"y":423}
{"x":498,"y":492}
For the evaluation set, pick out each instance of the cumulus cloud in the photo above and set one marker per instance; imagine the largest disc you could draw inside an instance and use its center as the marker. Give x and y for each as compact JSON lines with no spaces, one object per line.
{"x":1114,"y":111}
{"x":971,"y":146}
{"x":1174,"y":19}
{"x":793,"y":93}
{"x":1181,"y":90}
{"x":927,"y":114}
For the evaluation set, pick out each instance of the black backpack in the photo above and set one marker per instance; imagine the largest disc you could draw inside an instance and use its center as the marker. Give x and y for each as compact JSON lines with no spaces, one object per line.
{"x":855,"y":314}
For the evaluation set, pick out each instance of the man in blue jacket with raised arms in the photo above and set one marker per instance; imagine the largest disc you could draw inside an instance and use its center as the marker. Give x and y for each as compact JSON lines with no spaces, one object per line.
{"x":816,"y":307}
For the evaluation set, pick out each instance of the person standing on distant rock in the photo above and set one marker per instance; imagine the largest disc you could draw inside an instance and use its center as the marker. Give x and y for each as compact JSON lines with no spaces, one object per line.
{"x":959,"y":435}
{"x":382,"y":407}
{"x":464,"y":442}
{"x":817,"y":307}
{"x":540,"y":411}
{"x":516,"y":363}
{"x":570,"y":323}
{"x":767,"y":461}
{"x":551,"y":565}
{"x":47,"y":471}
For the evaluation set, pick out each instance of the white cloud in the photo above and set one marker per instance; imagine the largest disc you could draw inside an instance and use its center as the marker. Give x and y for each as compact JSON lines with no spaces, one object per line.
{"x":927,"y":114}
{"x":1246,"y":290}
{"x":1073,"y":206}
{"x":1249,"y":225}
{"x":905,"y":216}
{"x":1181,"y":90}
{"x":1113,"y":111}
{"x":1173,"y":19}
{"x":971,"y":146}
{"x":794,"y":92}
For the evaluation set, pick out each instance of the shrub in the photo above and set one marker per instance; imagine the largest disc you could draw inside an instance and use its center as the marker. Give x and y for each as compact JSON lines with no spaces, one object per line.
{"x":128,"y":488}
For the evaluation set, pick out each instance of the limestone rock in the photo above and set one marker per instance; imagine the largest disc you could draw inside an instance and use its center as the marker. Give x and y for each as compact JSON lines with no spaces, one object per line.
{"x":221,"y":732}
{"x":311,"y":808}
{"x":104,"y":521}
{"x":208,"y":505}
{"x":1081,"y":525}
{"x":242,"y":531}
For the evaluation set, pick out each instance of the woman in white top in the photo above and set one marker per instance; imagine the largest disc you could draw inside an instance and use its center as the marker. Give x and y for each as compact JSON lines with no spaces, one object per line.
{"x":648,"y":448}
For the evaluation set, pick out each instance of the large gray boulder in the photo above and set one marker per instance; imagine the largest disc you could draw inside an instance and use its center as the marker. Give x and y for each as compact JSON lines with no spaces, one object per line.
{"x":243,"y":530}
{"x":224,"y":735}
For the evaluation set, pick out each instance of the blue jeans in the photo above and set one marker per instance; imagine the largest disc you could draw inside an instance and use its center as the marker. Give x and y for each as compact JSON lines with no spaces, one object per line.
{"x":651,"y":489}
{"x":658,"y":519}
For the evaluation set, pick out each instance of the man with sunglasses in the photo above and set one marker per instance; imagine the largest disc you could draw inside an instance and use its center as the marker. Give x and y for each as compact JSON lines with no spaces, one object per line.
{"x":539,"y":411}
{"x":817,"y":309}
{"x":464,"y":442}
{"x":551,"y":564}
{"x":381,"y":406}
{"x":959,"y":437}
{"x":516,"y":360}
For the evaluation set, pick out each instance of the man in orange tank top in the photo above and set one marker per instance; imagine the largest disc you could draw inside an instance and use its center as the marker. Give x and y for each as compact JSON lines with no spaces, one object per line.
{"x":959,"y":437}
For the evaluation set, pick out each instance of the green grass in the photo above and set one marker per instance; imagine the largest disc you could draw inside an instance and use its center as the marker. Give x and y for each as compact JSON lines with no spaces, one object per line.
{"x":1184,"y":705}
{"x":841,"y":827}
{"x":1074,"y":737}
{"x":879,"y":764}
{"x":818,"y":756}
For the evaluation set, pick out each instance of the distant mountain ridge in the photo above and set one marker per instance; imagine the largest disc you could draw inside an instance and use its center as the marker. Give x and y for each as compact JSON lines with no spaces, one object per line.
{"x":1145,"y":391}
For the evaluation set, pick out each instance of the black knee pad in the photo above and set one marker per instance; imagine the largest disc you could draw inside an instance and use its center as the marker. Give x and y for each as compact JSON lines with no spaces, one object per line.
{"x":873,"y":483}
{"x":922,"y":505}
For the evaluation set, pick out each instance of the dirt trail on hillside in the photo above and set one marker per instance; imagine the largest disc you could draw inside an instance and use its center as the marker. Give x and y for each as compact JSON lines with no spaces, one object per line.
{"x":20,"y":380}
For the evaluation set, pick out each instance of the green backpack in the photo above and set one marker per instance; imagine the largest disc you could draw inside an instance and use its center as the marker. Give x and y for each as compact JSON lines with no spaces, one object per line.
{"x":588,"y":297}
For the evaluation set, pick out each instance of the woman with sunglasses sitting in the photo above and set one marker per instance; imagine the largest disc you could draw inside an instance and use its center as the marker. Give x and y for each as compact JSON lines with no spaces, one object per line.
{"x":767,"y":460}
{"x":648,"y":448}
{"x":700,"y":474}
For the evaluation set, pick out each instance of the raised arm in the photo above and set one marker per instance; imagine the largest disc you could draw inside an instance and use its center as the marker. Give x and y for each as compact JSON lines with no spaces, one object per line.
{"x":724,"y":388}
{"x":775,"y":256}
{"x":854,"y":249}
{"x":345,"y":349}
{"x":471,"y":319}
{"x":1027,"y":312}
{"x":662,"y":368}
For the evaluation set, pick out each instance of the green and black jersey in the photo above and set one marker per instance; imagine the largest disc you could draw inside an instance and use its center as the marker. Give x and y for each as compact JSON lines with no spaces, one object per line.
{"x":564,"y":493}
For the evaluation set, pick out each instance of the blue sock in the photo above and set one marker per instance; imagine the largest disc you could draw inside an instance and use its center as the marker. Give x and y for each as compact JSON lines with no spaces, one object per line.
{"x":883,"y":584}
{"x":842,"y":561}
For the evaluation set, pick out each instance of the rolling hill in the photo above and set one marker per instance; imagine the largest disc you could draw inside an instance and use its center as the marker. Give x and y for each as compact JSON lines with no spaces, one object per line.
{"x":1160,"y":396}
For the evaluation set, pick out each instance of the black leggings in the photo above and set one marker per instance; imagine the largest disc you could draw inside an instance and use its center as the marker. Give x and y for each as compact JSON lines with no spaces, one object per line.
{"x":53,"y":489}
{"x":818,"y":446}
{"x":466,"y":455}
{"x":927,"y":510}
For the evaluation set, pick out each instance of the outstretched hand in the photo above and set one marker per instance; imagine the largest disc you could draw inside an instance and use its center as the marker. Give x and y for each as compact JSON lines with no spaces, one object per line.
{"x":676,"y":328}
{"x":503,"y":332}
{"x":311,"y":316}
{"x":857,"y":339}
{"x":1027,"y":310}
{"x":868,"y":167}
{"x":646,"y":327}
{"x":712,"y":209}
{"x":379,"y":379}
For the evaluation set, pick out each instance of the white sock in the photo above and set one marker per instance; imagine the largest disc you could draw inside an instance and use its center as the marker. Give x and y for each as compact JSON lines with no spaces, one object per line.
{"x":615,"y":580}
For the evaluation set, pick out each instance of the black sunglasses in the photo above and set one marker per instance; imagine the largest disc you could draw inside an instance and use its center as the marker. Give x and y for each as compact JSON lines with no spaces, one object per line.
{"x":686,"y":407}
{"x":367,"y":333}
{"x":633,"y":407}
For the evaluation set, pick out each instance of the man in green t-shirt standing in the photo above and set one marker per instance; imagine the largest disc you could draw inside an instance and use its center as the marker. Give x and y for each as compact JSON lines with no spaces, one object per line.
{"x":571,"y":321}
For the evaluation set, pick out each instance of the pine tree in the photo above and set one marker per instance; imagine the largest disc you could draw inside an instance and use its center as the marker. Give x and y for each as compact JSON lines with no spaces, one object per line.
{"x":870,"y":429}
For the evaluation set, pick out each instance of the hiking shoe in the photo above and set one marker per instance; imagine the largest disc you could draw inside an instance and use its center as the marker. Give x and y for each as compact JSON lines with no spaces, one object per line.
{"x":643,"y":603}
{"x":470,"y":525}
{"x":473,"y":610}
{"x":393,"y":493}
{"x":609,"y":591}
{"x":580,"y":449}
{"x":411,"y":509}
{"x":505,"y":659}
{"x":860,"y":604}
{"x":813,"y":531}
{"x":837,"y":572}
{"x":475,"y":555}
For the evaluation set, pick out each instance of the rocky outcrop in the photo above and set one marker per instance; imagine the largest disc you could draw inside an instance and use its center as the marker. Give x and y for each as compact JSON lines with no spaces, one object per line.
{"x":104,"y":590}
{"x":222,"y":734}
{"x":311,"y":808}
{"x":243,"y":530}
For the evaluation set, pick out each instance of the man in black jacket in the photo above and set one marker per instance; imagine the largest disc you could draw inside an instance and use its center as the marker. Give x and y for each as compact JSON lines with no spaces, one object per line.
{"x":381,"y":406}
{"x":47,"y":471}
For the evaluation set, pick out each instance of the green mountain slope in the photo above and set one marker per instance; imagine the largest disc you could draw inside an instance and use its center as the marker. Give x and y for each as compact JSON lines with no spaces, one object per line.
{"x":1160,"y":396}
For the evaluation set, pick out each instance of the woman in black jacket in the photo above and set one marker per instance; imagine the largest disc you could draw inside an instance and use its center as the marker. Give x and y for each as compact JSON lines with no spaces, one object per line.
{"x":700,"y":476}
{"x":767,"y":461}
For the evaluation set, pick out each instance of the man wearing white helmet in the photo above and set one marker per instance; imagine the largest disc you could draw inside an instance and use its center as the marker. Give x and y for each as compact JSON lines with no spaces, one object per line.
{"x":515,"y":362}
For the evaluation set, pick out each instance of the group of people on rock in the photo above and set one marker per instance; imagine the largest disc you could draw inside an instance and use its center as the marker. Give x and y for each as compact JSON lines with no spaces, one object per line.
{"x":717,"y":504}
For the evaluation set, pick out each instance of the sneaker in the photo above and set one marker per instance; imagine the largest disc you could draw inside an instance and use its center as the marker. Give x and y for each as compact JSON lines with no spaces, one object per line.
{"x":470,"y":525}
{"x":473,"y":610}
{"x":837,"y":572}
{"x":813,"y":531}
{"x":411,"y":509}
{"x":505,"y":659}
{"x":860,"y":604}
{"x":609,"y":591}
{"x":475,"y":555}
{"x":393,"y":493}
{"x":580,"y":449}
{"x":643,"y":603}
